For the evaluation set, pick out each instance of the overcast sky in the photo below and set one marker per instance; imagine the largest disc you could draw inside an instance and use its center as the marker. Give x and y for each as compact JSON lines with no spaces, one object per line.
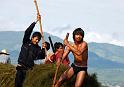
{"x":102,"y":20}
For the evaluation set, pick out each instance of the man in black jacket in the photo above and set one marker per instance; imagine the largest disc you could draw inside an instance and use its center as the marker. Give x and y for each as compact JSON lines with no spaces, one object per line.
{"x":30,"y":51}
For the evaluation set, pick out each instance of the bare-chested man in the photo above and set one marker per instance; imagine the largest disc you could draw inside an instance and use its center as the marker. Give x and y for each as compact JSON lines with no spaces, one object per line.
{"x":80,"y":52}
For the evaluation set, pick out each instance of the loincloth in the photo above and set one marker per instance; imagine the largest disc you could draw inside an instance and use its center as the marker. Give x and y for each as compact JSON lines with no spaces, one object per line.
{"x":77,"y":68}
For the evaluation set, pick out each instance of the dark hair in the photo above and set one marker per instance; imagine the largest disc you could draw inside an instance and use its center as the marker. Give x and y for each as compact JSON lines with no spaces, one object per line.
{"x":57,"y":45}
{"x":78,"y":31}
{"x":47,"y":45}
{"x":37,"y":34}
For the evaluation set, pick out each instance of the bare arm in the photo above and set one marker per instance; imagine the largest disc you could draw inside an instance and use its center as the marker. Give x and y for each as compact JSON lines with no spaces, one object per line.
{"x":79,"y":50}
{"x":76,"y":50}
{"x":66,"y":52}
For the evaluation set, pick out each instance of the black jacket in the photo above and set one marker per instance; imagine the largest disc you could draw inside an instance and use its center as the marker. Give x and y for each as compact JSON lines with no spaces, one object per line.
{"x":30,"y":52}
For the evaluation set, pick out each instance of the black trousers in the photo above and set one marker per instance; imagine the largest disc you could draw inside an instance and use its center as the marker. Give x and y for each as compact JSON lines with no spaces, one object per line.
{"x":20,"y":77}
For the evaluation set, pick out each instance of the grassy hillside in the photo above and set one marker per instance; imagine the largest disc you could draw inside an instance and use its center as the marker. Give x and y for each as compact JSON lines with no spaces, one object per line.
{"x":41,"y":76}
{"x":7,"y":75}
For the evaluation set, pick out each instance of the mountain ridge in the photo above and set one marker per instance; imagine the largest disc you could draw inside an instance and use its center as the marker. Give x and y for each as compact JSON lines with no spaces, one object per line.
{"x":12,"y":41}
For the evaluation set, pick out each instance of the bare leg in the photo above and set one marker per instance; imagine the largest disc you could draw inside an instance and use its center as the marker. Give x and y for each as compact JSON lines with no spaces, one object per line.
{"x":66,"y":75}
{"x":80,"y":78}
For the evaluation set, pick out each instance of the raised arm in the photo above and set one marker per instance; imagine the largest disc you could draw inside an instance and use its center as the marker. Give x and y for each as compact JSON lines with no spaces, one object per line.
{"x":29,"y":30}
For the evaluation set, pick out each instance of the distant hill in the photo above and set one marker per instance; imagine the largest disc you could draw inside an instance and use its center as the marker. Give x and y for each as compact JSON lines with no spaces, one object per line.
{"x":12,"y":41}
{"x":108,"y":51}
{"x":96,"y":61}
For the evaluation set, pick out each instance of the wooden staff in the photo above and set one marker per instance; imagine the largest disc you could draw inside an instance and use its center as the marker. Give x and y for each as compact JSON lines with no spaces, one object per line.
{"x":57,"y":68}
{"x":54,"y":80}
{"x":41,"y":31}
{"x":38,"y":13}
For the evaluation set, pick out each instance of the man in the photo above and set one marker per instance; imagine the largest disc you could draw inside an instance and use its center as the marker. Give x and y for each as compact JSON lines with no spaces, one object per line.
{"x":30,"y":51}
{"x":4,"y":58}
{"x":56,"y":57}
{"x":80,"y":52}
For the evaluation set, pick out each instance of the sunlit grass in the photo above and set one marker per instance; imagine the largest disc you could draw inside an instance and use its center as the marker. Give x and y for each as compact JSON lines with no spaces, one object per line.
{"x":41,"y":76}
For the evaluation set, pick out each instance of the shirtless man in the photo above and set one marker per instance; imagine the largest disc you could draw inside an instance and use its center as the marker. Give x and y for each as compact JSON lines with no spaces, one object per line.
{"x":80,"y":52}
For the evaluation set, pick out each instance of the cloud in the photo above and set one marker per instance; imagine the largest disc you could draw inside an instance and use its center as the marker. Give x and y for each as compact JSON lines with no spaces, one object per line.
{"x":117,"y":42}
{"x":103,"y":38}
{"x":60,"y":17}
{"x":61,"y":28}
{"x":61,"y":31}
{"x":93,"y":37}
{"x":7,"y":25}
{"x":90,"y":36}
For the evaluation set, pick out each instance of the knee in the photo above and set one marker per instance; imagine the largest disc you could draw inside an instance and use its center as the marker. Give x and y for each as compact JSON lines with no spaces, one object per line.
{"x":62,"y":79}
{"x":65,"y":76}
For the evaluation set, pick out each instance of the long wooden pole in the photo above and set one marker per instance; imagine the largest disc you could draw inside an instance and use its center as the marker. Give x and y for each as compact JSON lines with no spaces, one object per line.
{"x":39,"y":21}
{"x":57,"y":68}
{"x":41,"y":31}
{"x":54,"y":79}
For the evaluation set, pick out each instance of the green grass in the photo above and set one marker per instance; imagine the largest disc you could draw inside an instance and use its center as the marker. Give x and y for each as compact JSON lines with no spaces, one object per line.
{"x":41,"y":76}
{"x":7,"y":75}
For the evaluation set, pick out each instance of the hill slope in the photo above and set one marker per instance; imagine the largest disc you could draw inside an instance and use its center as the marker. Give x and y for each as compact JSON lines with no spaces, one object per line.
{"x":96,"y":61}
{"x":108,"y":51}
{"x":41,"y":76}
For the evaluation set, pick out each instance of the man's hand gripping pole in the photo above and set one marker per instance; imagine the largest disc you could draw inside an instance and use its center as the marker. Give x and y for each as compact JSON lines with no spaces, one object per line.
{"x":58,"y":65}
{"x":41,"y":31}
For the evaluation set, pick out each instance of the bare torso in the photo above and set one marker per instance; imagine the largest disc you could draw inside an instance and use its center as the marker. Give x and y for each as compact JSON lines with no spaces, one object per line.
{"x":81,"y":59}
